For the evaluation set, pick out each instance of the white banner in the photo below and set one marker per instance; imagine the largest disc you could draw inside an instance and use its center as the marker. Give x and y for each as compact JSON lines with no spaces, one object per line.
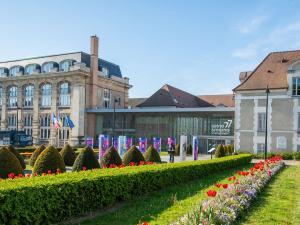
{"x":183,"y":147}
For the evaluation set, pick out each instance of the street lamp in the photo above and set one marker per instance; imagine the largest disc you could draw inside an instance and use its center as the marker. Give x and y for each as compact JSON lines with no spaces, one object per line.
{"x":266,"y":132}
{"x":114,"y":117}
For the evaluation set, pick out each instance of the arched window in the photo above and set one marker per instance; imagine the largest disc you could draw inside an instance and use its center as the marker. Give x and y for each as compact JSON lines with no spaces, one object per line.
{"x":12,"y":96}
{"x":46,"y":94}
{"x":1,"y":95}
{"x":28,"y":95}
{"x":64,"y":94}
{"x":32,"y":69}
{"x":66,"y":64}
{"x":3,"y":72}
{"x":50,"y":67}
{"x":15,"y":70}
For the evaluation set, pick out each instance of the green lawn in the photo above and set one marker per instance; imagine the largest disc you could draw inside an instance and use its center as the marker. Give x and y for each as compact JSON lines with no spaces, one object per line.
{"x":164,"y":206}
{"x":279,"y":203}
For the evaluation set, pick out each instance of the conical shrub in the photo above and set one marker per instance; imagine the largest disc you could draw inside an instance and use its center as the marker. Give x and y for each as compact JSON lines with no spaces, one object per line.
{"x":111,"y":156}
{"x":189,"y":150}
{"x":18,"y":155}
{"x":49,"y":159}
{"x":177,"y":150}
{"x":151,"y":155}
{"x":36,"y":154}
{"x":68,"y":155}
{"x":133,"y":155}
{"x":86,"y":159}
{"x":220,"y":151}
{"x":9,"y":163}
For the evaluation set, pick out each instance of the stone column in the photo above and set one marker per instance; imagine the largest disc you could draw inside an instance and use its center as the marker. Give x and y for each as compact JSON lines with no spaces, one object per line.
{"x":4,"y":108}
{"x":20,"y":106}
{"x":36,"y":119}
{"x":54,"y":132}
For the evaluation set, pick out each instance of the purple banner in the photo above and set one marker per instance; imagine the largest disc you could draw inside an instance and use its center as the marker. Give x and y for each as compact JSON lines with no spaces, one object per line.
{"x":142,"y":144}
{"x":103,"y":145}
{"x":90,"y":141}
{"x":157,"y":144}
{"x":171,"y":141}
{"x":128,"y":142}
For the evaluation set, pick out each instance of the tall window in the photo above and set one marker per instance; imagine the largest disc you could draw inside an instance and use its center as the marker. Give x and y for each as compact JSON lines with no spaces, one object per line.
{"x":3,"y":72}
{"x":12,"y":96}
{"x":296,"y":86}
{"x":15,"y":70}
{"x":45,"y":126}
{"x":105,"y":71}
{"x":64,"y":94}
{"x":1,"y":95}
{"x":64,"y":131}
{"x":106,"y":98}
{"x":46,"y":94}
{"x":66,"y":64}
{"x":261,"y":122}
{"x":28,"y":123}
{"x":32,"y":68}
{"x":28,"y":95}
{"x":12,"y":121}
{"x":49,"y":66}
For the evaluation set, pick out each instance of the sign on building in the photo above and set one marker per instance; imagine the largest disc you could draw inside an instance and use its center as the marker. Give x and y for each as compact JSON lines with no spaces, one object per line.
{"x":183,"y":147}
{"x":221,"y":127}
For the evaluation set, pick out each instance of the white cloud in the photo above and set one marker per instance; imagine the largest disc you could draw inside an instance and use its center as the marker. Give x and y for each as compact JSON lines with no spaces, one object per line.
{"x":252,"y":25}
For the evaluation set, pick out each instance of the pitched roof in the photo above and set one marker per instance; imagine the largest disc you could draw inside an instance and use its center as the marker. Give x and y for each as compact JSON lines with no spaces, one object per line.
{"x":133,"y":102}
{"x":226,"y":100}
{"x":173,"y":97}
{"x":271,"y":72}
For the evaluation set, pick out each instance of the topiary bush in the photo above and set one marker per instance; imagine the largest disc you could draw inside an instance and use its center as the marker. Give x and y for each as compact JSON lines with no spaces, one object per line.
{"x":230,"y":149}
{"x":177,"y":150}
{"x":49,"y":159}
{"x":68,"y":155}
{"x":36,"y":154}
{"x":189,"y":150}
{"x":18,"y":155}
{"x":86,"y":160}
{"x":151,"y":155}
{"x":9,"y":163}
{"x":133,"y":155}
{"x":226,"y":150}
{"x":220,"y":151}
{"x":111,"y":156}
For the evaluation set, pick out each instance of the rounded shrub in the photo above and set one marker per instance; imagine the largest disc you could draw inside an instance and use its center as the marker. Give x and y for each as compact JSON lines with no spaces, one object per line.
{"x":297,"y":155}
{"x":220,"y":151}
{"x":133,"y":155}
{"x":68,"y":155}
{"x":49,"y":159}
{"x":86,"y":160}
{"x":18,"y":155}
{"x":111,"y":156}
{"x":36,"y":154}
{"x":287,"y":155}
{"x":189,"y":150}
{"x":177,"y":150}
{"x":151,"y":155}
{"x":9,"y":163}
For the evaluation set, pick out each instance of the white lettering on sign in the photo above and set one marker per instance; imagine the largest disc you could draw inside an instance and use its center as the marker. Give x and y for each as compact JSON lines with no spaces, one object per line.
{"x":221,"y":129}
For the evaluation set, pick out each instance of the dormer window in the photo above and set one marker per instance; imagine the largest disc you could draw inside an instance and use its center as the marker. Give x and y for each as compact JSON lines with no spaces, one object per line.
{"x":15,"y":70}
{"x":3,"y":72}
{"x":32,"y":69}
{"x":105,"y":71}
{"x":296,"y":86}
{"x":66,"y":64}
{"x":50,"y":67}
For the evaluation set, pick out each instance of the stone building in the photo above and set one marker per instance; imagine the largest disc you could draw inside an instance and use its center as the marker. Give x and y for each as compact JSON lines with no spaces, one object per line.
{"x":280,"y":72}
{"x":66,"y":85}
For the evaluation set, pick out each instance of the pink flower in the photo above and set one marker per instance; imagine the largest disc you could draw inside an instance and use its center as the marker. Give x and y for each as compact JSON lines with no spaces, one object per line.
{"x":84,"y":168}
{"x":11,"y":175}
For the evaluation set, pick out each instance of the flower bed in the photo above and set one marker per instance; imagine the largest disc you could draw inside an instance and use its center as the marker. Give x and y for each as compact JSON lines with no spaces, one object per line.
{"x":49,"y":199}
{"x":228,"y":200}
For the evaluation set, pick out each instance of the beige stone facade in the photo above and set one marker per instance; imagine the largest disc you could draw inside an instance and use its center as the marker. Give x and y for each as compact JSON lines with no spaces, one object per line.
{"x":64,"y":89}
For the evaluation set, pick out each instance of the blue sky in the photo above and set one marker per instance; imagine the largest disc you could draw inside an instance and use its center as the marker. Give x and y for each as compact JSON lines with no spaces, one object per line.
{"x":197,"y":46}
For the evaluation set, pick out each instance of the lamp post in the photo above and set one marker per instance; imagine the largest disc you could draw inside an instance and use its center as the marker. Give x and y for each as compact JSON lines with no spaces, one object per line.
{"x":114,"y":117}
{"x":266,"y":132}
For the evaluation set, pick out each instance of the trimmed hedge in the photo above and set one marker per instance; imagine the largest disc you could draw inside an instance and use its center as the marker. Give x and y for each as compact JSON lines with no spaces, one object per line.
{"x":68,"y":155}
{"x":18,"y":155}
{"x":151,"y":155}
{"x":36,"y":154}
{"x":111,"y":156}
{"x":49,"y":159}
{"x":52,"y":199}
{"x":9,"y":163}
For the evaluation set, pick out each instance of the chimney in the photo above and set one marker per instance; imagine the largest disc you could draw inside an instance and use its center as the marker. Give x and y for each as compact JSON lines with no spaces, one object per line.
{"x":244,"y":75}
{"x":94,"y":69}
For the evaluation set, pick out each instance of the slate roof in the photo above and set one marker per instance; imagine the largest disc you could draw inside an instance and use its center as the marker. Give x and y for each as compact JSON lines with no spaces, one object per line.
{"x":133,"y":102}
{"x":173,"y":97}
{"x":225,"y":100}
{"x":271,"y":72}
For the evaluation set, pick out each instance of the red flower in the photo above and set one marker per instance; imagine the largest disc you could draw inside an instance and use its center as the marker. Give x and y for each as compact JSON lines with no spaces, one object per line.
{"x":27,"y":175}
{"x":11,"y":175}
{"x":44,"y":174}
{"x":269,"y":173}
{"x":131,"y":164}
{"x":58,"y":171}
{"x":84,"y":168}
{"x":122,"y":165}
{"x":49,"y":172}
{"x":35,"y":174}
{"x":20,"y":175}
{"x":103,"y":166}
{"x":149,"y":163}
{"x":218,"y":185}
{"x":225,"y":186}
{"x":145,"y":223}
{"x":211,"y":193}
{"x":112,"y":166}
{"x":141,"y":163}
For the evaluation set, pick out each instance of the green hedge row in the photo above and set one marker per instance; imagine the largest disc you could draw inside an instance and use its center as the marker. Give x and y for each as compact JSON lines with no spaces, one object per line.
{"x":50,"y":199}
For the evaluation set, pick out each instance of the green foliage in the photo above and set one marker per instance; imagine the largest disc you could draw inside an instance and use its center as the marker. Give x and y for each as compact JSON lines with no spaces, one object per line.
{"x":230,"y":149}
{"x":111,"y":156}
{"x":133,"y":155}
{"x":297,"y":155}
{"x":220,"y":151}
{"x":36,"y":154}
{"x":189,"y":149}
{"x":49,"y":159}
{"x":18,"y":155}
{"x":177,"y":149}
{"x":87,"y":159}
{"x":9,"y":163}
{"x":287,"y":155}
{"x":226,"y":150}
{"x":44,"y":199}
{"x":151,"y":155}
{"x":68,"y":155}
